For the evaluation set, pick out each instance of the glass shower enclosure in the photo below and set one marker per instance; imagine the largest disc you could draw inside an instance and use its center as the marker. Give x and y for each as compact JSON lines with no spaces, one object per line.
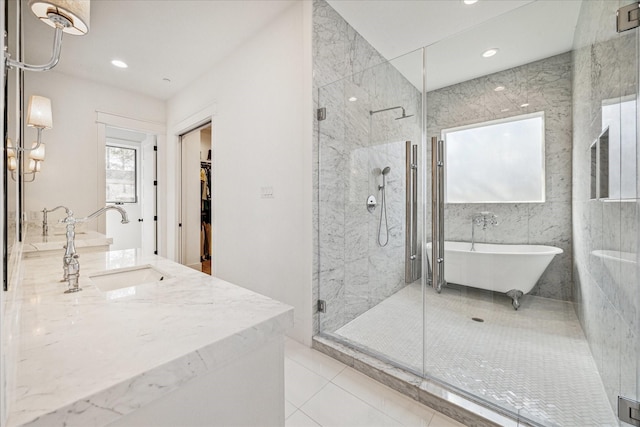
{"x":525,"y":155}
{"x":370,"y":204}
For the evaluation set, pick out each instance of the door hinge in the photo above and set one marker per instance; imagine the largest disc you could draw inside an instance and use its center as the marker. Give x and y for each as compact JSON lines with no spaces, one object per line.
{"x":628,"y":17}
{"x":155,"y":218}
{"x":155,"y":252}
{"x":321,"y":114}
{"x":179,"y":224}
{"x":322,"y":306}
{"x":629,"y":411}
{"x":155,"y":182}
{"x":155,"y":148}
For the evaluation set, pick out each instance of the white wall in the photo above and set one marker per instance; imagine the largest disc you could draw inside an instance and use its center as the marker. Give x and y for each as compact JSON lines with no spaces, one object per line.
{"x":262,"y":128}
{"x":3,"y":388}
{"x":69,"y":173}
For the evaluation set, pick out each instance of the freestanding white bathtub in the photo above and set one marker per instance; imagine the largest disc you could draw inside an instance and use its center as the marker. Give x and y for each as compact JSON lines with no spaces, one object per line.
{"x":512,"y":269}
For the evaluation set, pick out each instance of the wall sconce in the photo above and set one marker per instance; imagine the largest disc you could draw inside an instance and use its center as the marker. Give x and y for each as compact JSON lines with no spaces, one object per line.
{"x":39,"y":116}
{"x":66,"y":16}
{"x":36,"y":157}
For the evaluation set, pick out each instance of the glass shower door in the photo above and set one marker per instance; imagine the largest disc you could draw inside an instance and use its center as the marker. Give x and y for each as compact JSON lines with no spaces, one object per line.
{"x":370,"y":211}
{"x":573,"y":330}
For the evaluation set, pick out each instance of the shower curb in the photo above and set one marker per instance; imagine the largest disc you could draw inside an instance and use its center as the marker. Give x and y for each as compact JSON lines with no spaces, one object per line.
{"x":425,"y":391}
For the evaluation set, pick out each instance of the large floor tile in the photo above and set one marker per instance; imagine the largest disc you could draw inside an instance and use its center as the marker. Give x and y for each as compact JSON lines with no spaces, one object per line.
{"x":299,"y":419}
{"x":313,"y":360}
{"x":440,"y":420}
{"x":392,"y":403}
{"x":335,"y":407}
{"x":300,"y":384}
{"x":289,"y":408}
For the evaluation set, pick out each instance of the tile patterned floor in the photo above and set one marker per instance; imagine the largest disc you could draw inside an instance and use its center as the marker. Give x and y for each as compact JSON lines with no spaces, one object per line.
{"x":320,"y":391}
{"x":534,"y":360}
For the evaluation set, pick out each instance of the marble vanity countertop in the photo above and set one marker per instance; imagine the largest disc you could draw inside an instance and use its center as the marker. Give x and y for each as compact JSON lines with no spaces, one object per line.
{"x":89,"y":357}
{"x":36,"y":242}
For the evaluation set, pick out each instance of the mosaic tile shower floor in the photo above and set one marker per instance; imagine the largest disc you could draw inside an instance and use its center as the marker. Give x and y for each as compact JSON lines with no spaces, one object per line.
{"x":535,"y":359}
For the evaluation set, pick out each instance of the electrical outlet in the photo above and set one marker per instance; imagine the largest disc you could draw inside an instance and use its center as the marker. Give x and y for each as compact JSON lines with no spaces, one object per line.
{"x":266,"y":192}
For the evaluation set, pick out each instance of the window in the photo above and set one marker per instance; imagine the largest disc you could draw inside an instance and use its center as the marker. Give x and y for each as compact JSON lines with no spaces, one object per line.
{"x":121,"y":174}
{"x":501,"y":161}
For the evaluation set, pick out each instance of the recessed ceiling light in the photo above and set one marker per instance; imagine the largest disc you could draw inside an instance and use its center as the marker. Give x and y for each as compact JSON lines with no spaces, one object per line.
{"x":499,"y":88}
{"x":490,"y":52}
{"x":118,"y":63}
{"x":469,"y":1}
{"x":353,"y":99}
{"x":526,"y":104}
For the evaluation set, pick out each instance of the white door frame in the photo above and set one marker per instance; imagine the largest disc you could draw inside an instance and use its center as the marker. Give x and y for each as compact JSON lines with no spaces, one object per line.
{"x":192,"y":122}
{"x":103,"y":120}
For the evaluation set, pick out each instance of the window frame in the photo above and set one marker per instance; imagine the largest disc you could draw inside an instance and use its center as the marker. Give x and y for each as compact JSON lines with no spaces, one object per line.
{"x":136,"y":171}
{"x":515,"y":118}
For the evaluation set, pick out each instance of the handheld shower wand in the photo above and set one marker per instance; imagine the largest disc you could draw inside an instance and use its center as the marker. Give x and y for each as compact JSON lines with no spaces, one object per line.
{"x":383,"y":209}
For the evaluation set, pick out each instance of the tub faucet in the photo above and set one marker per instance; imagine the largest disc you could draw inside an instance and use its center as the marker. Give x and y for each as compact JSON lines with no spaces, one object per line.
{"x":70,"y":263}
{"x":483,"y":219}
{"x":45,"y":225}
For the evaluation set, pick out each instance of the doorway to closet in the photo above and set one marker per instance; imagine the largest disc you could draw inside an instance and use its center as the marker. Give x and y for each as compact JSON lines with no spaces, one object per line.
{"x":195,"y":225}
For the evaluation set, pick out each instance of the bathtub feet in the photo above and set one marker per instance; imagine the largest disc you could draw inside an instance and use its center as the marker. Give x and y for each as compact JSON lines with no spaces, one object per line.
{"x":515,"y":296}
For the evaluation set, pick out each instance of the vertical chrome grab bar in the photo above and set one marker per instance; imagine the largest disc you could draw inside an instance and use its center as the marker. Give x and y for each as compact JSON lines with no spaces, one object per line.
{"x":412,"y":259}
{"x":408,"y":271}
{"x":415,"y":256}
{"x":441,"y":236}
{"x":437,"y":213}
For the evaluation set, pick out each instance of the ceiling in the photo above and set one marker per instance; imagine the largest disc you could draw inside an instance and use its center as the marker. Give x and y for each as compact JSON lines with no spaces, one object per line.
{"x":179,"y":40}
{"x":174,"y":39}
{"x":457,"y":34}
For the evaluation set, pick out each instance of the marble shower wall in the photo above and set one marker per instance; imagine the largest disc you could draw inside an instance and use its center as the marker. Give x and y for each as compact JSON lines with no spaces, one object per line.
{"x":546,"y":86}
{"x":606,"y":288}
{"x":355,"y":272}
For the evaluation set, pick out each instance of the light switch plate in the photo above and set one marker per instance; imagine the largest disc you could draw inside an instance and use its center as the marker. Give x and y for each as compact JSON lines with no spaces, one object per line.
{"x":266,"y":192}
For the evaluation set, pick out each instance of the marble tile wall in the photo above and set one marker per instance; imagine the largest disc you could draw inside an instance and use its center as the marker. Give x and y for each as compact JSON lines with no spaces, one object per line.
{"x":355,"y":272}
{"x":546,"y":86}
{"x":606,"y":287}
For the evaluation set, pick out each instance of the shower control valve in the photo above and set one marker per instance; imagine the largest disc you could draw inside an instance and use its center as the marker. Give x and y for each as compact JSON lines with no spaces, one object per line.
{"x":371,"y":203}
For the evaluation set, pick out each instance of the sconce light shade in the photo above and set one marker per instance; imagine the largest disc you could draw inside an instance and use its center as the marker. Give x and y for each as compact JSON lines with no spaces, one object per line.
{"x":11,"y":150}
{"x":39,"y":112}
{"x":34,"y":166}
{"x":12,"y":163}
{"x":76,"y":12}
{"x":37,"y":152}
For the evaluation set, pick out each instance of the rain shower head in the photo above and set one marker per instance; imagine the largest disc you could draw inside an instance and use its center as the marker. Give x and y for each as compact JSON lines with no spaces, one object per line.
{"x":404,"y":116}
{"x":386,"y":170}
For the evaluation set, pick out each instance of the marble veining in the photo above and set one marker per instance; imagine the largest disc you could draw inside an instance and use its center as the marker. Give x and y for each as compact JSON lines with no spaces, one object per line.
{"x":606,"y":289}
{"x":355,"y":272}
{"x":546,"y":86}
{"x":89,"y":357}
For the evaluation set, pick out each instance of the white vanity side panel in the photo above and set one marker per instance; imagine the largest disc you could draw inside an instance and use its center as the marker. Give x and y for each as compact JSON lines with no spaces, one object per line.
{"x":247,"y":392}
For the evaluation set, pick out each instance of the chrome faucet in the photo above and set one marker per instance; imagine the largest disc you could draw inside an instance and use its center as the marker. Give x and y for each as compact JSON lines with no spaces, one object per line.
{"x":484,"y":219}
{"x":45,"y":225}
{"x":70,"y":263}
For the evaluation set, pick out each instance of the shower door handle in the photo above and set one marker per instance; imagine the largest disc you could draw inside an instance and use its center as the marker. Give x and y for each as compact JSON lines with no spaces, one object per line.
{"x":437,"y":213}
{"x":412,"y":264}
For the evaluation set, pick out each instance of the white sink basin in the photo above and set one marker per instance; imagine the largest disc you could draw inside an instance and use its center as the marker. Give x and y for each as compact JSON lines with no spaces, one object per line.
{"x":127,"y":277}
